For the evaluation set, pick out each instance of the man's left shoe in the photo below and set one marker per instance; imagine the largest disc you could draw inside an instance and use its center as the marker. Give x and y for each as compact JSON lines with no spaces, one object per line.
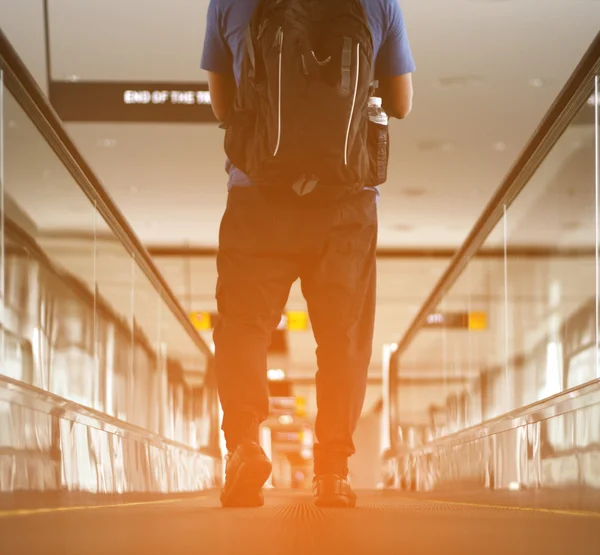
{"x":248,"y":468}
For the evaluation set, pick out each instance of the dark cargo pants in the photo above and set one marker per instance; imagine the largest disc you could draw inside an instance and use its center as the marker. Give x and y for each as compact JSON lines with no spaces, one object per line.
{"x":267,"y":241}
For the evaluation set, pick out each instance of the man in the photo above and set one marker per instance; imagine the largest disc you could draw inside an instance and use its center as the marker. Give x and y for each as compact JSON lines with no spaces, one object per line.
{"x":267,"y":241}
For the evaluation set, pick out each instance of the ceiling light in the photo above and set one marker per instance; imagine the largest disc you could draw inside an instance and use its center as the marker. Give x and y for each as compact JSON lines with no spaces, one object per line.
{"x":536,"y":83}
{"x":405,"y":228}
{"x":12,"y":124}
{"x":457,"y":81}
{"x":414,"y":192}
{"x":72,"y":78}
{"x":433,"y":145}
{"x":500,"y":146}
{"x":276,"y":375}
{"x":306,"y":454}
{"x":107,"y":143}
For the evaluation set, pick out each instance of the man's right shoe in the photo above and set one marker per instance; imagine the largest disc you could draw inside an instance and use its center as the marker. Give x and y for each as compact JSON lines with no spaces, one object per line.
{"x":248,"y":468}
{"x":333,"y":490}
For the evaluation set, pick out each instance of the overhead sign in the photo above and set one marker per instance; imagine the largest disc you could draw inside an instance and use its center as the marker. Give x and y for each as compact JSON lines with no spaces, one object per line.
{"x":477,"y":321}
{"x":283,"y":389}
{"x":293,"y":321}
{"x":119,"y":101}
{"x":289,"y":405}
{"x":300,"y":406}
{"x":287,"y":436}
{"x":279,"y":406}
{"x":297,"y":321}
{"x":202,"y":321}
{"x":474,"y":321}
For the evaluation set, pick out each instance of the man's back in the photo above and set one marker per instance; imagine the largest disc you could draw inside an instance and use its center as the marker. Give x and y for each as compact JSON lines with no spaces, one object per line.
{"x":227,"y":21}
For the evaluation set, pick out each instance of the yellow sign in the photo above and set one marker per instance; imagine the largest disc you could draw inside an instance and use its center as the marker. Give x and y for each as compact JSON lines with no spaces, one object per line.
{"x":477,"y":321}
{"x":201,"y":320}
{"x":297,"y":320}
{"x":300,"y":406}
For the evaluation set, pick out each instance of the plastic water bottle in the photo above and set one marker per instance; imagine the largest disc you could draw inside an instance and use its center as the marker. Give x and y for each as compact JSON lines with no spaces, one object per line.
{"x":378,"y":139}
{"x":376,"y":113}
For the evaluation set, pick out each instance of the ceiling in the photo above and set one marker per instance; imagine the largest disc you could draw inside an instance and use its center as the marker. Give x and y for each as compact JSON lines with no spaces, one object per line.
{"x":487,"y":71}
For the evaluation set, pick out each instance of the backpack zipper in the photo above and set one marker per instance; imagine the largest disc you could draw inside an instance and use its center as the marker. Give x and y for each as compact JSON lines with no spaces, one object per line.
{"x":280,"y":37}
{"x":353,"y":103}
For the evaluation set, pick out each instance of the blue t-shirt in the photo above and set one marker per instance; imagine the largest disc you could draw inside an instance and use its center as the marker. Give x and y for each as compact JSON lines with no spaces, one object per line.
{"x":224,"y":44}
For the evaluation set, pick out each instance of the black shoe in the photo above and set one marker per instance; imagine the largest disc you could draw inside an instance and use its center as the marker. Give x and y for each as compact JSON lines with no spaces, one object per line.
{"x":333,"y":490}
{"x":248,"y":468}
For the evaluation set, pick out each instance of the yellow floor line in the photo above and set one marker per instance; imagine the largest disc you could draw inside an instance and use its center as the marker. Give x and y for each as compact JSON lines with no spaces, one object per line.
{"x":46,"y":510}
{"x":589,"y":514}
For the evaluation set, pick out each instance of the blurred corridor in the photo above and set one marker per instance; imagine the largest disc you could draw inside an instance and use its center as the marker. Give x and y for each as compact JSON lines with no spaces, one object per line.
{"x":481,"y":427}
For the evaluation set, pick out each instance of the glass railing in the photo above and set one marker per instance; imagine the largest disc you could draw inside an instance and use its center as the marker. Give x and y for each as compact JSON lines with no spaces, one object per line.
{"x":482,"y":387}
{"x":104,"y":383}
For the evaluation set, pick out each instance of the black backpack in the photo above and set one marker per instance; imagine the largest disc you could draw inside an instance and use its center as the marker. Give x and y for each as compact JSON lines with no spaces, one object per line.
{"x":300,"y":112}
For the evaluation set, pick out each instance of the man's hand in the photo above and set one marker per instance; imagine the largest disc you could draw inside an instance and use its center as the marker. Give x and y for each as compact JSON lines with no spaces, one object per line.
{"x":222,"y":92}
{"x":397,"y":95}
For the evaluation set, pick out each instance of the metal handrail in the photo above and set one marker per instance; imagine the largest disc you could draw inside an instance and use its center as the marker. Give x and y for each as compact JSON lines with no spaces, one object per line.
{"x":572,"y":97}
{"x":21,"y":84}
{"x":576,"y":398}
{"x":29,"y":395}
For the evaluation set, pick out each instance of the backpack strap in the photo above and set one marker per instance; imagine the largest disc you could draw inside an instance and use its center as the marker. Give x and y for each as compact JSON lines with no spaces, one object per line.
{"x":250,"y":50}
{"x":346,"y":65}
